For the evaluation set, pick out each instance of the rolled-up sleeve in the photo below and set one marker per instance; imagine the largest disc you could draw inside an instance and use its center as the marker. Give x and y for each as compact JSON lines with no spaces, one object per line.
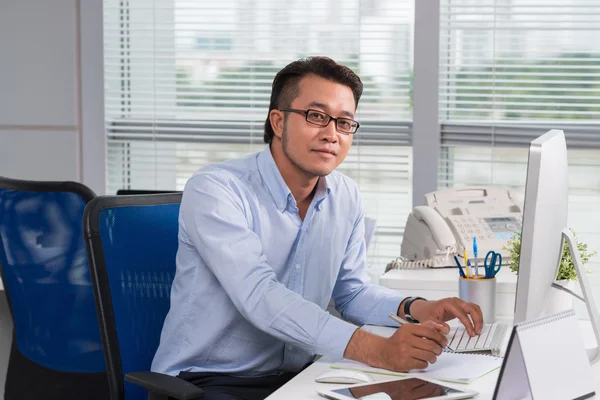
{"x":233,"y":252}
{"x":355,"y":297}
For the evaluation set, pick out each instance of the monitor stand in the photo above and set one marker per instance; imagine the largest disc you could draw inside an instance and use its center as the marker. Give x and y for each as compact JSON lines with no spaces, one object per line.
{"x":586,"y":290}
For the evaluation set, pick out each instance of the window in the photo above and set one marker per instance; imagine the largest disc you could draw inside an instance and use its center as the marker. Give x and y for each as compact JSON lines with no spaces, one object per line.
{"x":509,"y":71}
{"x":188,"y":84}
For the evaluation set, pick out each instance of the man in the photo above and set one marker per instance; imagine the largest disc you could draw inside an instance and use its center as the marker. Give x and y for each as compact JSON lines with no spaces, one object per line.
{"x":264,"y":243}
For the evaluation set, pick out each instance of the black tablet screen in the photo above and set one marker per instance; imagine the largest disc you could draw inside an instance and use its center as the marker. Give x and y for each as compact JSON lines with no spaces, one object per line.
{"x":405,"y":389}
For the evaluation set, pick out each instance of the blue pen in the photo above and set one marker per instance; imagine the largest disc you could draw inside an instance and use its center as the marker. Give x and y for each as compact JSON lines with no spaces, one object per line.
{"x":460,"y":270}
{"x":475,"y":255}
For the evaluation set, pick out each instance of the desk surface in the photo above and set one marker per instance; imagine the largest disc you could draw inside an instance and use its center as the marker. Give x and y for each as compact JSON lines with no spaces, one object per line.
{"x":303,"y":386}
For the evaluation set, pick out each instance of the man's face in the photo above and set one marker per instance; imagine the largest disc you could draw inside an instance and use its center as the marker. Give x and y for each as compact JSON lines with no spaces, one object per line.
{"x":318,"y":150}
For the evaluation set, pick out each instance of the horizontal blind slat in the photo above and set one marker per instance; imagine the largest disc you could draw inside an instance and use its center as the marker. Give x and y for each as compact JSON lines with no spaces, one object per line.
{"x":188,"y":84}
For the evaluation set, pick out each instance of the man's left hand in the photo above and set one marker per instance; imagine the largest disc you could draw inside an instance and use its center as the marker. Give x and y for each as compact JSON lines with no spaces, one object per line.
{"x":447,"y":309}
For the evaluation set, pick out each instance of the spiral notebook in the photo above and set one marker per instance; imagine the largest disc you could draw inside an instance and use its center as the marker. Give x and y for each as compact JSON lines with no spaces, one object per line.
{"x":449,"y":367}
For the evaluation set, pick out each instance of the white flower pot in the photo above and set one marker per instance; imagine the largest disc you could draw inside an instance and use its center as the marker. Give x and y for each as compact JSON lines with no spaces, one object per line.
{"x":559,"y":300}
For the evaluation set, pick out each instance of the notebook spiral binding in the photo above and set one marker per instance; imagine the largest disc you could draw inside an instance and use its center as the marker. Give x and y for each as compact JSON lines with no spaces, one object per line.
{"x":534,"y":323}
{"x":485,"y":353}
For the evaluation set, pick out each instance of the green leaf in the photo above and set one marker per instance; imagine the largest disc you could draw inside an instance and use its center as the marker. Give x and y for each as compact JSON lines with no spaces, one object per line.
{"x":566,"y":271}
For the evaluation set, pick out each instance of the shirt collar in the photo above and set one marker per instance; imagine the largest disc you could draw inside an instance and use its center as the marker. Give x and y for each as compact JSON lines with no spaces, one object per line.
{"x":322,"y":192}
{"x":278,"y":188}
{"x":273,"y":179}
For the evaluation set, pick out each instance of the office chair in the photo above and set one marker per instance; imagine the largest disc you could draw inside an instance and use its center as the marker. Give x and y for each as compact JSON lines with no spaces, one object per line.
{"x":132,"y":243}
{"x":56,"y":351}
{"x":121,"y":192}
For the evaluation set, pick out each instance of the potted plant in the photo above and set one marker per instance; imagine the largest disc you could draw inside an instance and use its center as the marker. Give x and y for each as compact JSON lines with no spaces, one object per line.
{"x":558,"y":300}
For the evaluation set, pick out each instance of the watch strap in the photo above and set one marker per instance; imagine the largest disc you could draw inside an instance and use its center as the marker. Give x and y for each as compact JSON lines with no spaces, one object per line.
{"x":407,"y":305}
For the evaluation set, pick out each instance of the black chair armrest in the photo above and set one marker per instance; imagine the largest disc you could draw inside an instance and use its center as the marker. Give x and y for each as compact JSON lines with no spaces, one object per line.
{"x":163,"y":384}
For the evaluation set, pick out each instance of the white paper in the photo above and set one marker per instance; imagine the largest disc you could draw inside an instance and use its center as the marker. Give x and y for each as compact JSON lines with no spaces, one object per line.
{"x":450,"y":367}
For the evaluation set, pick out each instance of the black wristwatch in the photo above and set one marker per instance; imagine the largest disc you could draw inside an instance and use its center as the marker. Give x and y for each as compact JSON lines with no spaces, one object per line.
{"x":407,"y":315}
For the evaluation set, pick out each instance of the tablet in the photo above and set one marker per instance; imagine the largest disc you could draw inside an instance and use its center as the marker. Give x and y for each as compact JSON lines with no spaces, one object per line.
{"x":402,"y":389}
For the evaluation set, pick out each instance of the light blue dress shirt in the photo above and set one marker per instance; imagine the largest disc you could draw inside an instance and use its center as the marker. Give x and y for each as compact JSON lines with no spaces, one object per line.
{"x":253,"y":279}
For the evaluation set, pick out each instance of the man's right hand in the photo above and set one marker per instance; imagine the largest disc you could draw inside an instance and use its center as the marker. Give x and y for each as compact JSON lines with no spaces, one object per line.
{"x":414,"y":347}
{"x":410,"y":347}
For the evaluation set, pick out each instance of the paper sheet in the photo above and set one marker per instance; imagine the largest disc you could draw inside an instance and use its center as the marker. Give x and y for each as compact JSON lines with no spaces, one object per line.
{"x":449,"y":367}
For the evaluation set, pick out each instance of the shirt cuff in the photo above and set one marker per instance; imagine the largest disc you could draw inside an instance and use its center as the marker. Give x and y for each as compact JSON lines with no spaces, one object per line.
{"x":388,"y":306}
{"x":334,"y":338}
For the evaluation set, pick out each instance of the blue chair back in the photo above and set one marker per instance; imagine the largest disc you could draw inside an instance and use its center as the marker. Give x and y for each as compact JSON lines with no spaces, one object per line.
{"x":45,"y":272}
{"x":132,"y":245}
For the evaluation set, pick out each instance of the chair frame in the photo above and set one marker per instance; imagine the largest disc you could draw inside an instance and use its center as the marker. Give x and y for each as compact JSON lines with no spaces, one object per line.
{"x":41,"y":186}
{"x":131,"y":192}
{"x":159,"y":386}
{"x":79,"y":189}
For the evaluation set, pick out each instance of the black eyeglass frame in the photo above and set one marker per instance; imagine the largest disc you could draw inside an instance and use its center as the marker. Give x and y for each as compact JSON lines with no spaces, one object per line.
{"x":331,"y":118}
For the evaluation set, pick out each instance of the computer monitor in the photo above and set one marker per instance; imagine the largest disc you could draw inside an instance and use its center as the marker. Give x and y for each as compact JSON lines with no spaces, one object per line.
{"x":544,"y":219}
{"x":544,"y":229}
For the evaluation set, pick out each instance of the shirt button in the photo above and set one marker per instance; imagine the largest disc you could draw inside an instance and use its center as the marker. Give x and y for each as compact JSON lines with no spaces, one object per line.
{"x":297,"y":266}
{"x":291,"y":348}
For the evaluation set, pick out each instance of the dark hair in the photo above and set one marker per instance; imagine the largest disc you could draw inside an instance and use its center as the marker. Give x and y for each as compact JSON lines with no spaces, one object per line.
{"x":285,"y":85}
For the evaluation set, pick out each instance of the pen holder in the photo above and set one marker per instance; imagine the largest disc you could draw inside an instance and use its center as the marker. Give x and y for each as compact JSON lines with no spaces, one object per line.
{"x":481,"y":292}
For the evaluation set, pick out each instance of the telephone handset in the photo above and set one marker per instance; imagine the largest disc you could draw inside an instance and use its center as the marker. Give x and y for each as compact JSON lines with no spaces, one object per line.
{"x":432,"y":243}
{"x":433,"y":226}
{"x":449,"y":221}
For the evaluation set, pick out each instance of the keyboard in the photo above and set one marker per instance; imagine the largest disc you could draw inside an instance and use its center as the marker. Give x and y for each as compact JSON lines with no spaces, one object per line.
{"x":490,"y":339}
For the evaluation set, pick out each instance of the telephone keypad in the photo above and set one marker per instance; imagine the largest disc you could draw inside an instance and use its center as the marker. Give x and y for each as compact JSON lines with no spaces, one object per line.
{"x":491,"y":231}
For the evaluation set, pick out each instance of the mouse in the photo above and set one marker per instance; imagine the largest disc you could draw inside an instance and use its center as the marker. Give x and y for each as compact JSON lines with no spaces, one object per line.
{"x":343,"y":376}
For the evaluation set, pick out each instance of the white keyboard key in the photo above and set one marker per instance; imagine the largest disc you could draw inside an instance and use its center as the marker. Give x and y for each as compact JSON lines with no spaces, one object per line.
{"x":460,"y":341}
{"x":458,"y":334}
{"x":455,"y":340}
{"x":472,"y":341}
{"x":488,"y":341}
{"x":451,"y":334}
{"x":463,"y":342}
{"x":483,"y":336}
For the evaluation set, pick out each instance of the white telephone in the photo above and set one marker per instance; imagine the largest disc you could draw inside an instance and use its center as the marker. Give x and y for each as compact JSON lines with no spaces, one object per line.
{"x":450,"y":219}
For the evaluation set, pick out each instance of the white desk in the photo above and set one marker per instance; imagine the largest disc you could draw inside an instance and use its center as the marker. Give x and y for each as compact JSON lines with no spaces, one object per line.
{"x":303,"y":386}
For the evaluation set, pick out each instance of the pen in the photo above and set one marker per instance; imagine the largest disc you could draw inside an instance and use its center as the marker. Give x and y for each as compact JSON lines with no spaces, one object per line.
{"x":466,"y":262}
{"x":475,"y":255}
{"x":399,"y":320}
{"x":460,"y":270}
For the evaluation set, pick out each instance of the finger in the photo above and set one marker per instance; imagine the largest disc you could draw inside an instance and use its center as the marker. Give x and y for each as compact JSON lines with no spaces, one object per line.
{"x":427,"y":345}
{"x":428,"y":332}
{"x":443,"y":327}
{"x":476,"y":315}
{"x":424,"y":355}
{"x":462,"y":315}
{"x":446,"y":327}
{"x":415,"y":364}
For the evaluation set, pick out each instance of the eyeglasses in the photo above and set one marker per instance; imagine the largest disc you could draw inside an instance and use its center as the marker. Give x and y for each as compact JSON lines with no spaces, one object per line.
{"x":346,"y":126}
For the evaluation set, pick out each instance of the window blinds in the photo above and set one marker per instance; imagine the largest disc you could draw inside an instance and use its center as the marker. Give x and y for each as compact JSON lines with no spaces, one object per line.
{"x":188,"y":84}
{"x":509,"y":71}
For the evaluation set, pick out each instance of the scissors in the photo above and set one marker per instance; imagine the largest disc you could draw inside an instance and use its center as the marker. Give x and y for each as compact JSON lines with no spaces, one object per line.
{"x":493,"y":265}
